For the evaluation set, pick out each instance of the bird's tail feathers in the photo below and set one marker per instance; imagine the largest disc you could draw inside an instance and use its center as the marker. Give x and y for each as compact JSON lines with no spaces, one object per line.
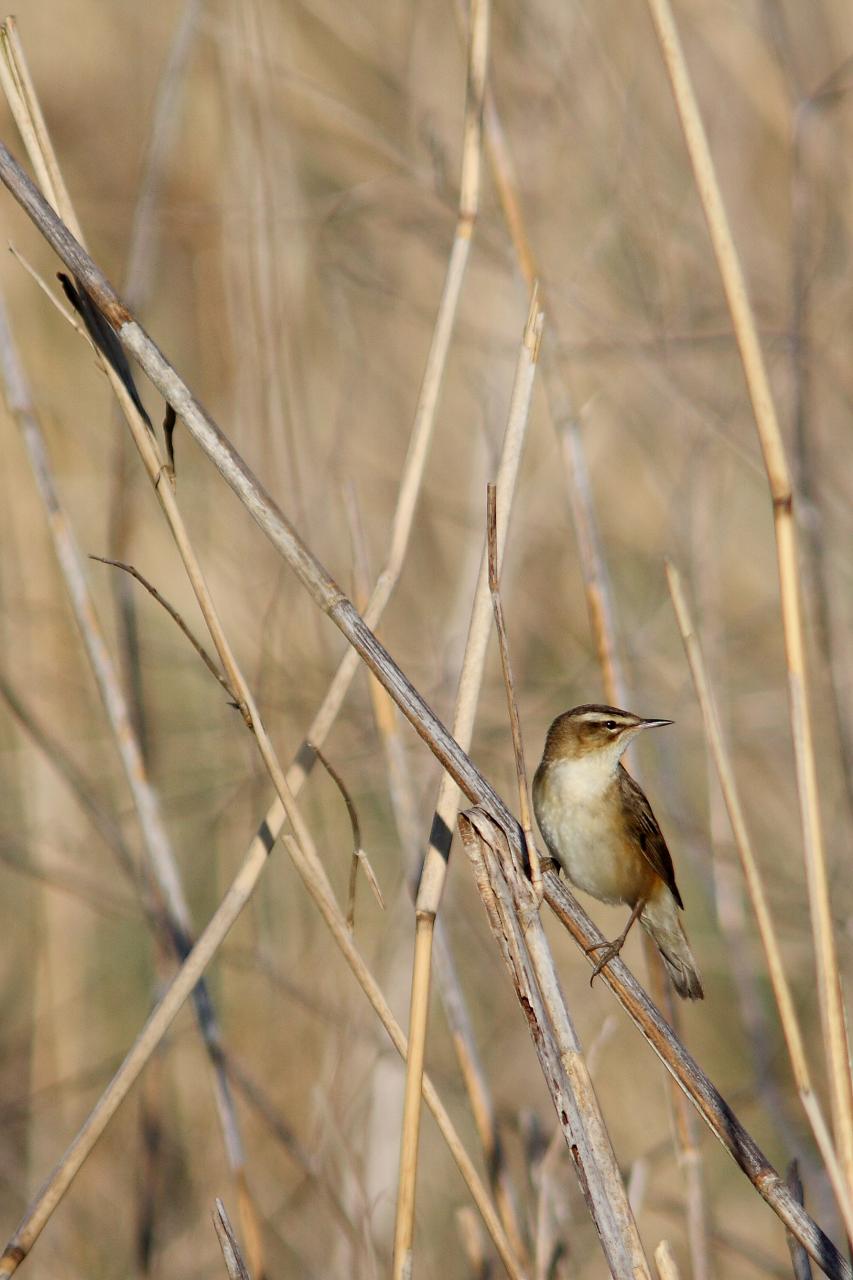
{"x":660,"y":920}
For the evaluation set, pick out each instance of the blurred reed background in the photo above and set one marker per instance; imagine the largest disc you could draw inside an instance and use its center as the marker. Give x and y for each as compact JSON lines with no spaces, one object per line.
{"x":293,"y":211}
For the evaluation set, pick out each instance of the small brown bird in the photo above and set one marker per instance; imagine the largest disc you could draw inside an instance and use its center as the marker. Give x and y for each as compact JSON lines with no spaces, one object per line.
{"x":599,"y":827}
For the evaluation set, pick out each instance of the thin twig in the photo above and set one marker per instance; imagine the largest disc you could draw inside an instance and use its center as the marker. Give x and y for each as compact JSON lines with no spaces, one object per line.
{"x":359,"y":857}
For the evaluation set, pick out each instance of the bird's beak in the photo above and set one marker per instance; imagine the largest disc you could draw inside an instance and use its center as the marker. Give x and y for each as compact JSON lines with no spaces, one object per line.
{"x":655,"y":724}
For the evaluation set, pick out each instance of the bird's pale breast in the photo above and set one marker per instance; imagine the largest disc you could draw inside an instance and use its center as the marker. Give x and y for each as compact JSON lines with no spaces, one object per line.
{"x":579,"y":816}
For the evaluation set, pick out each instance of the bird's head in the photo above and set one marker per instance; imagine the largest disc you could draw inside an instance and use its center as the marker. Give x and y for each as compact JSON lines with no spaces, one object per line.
{"x":593,"y":729}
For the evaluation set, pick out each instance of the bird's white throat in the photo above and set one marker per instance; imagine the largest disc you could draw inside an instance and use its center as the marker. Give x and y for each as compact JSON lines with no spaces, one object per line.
{"x":584,"y":778}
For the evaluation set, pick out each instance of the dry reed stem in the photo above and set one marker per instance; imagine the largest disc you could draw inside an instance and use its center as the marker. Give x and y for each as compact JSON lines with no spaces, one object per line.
{"x":447,"y":979}
{"x":755,"y":886}
{"x":434,"y":870}
{"x":469,"y":201}
{"x":512,"y":910}
{"x":302,"y":850}
{"x":328,"y":596}
{"x":234,"y":1264}
{"x":779,"y":482}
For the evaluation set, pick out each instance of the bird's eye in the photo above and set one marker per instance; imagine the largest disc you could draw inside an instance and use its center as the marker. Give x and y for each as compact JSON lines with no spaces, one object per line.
{"x":610,"y":724}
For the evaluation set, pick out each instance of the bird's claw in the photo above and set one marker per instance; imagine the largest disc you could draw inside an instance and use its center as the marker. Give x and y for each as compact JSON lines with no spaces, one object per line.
{"x":611,"y":951}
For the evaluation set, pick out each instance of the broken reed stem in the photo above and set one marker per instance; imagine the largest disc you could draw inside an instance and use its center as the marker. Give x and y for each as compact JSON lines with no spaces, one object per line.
{"x":328,"y":596}
{"x":512,"y":910}
{"x":781,"y":492}
{"x":469,"y":203}
{"x":755,"y":885}
{"x":512,"y":704}
{"x":434,"y":870}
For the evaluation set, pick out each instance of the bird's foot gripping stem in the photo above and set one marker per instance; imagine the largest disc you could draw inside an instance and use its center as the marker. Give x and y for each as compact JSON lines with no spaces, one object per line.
{"x":611,"y":949}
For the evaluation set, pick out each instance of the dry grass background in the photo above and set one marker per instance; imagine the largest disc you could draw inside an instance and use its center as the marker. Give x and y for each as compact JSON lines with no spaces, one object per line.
{"x":299,"y":247}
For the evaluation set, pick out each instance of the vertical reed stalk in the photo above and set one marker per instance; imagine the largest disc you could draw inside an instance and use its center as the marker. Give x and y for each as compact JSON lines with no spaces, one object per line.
{"x":782,"y":496}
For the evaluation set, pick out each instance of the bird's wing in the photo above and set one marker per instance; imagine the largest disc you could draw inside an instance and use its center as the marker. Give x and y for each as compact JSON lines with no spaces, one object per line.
{"x":643,"y":826}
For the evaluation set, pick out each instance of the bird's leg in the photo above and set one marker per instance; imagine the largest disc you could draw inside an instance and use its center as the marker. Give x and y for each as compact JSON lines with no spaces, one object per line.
{"x":612,"y":949}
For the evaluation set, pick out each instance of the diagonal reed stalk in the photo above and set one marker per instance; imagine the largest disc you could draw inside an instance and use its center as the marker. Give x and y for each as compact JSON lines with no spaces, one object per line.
{"x":328,"y":597}
{"x":782,"y":496}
